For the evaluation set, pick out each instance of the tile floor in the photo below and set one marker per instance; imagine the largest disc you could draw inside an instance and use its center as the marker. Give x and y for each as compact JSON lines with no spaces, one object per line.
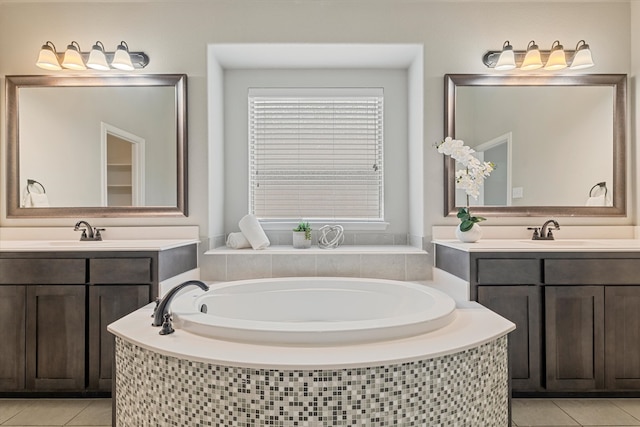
{"x":575,"y":412}
{"x":55,"y":412}
{"x":526,"y":412}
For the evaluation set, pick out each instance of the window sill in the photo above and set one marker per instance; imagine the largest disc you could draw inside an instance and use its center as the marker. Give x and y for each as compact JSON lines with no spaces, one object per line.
{"x":315,"y":225}
{"x":315,"y":250}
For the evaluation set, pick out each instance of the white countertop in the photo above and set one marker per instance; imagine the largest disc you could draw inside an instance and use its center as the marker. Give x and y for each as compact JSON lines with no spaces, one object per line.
{"x":474,"y":325}
{"x":558,"y":245}
{"x":59,"y":239}
{"x":104,"y":245}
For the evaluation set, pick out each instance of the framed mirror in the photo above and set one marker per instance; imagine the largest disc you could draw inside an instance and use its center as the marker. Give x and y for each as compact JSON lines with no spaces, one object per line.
{"x":96,"y":146}
{"x":558,"y":143}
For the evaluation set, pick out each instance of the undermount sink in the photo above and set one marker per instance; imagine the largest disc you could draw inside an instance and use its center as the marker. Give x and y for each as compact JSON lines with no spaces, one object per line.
{"x":79,"y":243}
{"x":563,"y":242}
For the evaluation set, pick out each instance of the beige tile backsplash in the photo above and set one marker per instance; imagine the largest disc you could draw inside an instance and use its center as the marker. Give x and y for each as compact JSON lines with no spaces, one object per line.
{"x":222,"y":267}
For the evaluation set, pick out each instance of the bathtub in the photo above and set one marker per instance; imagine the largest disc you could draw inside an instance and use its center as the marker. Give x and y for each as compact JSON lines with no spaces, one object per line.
{"x":314,"y":352}
{"x":313,"y":311}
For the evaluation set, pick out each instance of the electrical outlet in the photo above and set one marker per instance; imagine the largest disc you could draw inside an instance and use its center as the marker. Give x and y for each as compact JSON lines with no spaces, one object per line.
{"x":517,"y":193}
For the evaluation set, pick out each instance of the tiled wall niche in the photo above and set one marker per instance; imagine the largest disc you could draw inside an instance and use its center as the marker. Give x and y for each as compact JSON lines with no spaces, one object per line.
{"x":465,"y":388}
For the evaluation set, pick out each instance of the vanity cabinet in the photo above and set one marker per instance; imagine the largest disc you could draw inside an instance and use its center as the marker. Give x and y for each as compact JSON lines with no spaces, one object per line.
{"x":622,"y":332}
{"x":577,"y":315}
{"x":56,"y":306}
{"x":12,"y":350}
{"x":108,"y":303}
{"x":574,"y":320}
{"x":55,"y":337}
{"x":521,"y":305}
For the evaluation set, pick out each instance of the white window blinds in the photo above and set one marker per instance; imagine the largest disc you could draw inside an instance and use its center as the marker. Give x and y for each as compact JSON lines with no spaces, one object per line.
{"x":316,"y":154}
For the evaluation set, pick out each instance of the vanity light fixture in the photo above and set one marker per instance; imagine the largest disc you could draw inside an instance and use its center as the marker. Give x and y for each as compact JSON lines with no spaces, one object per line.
{"x":557,"y":59}
{"x":48,"y":59}
{"x":582,"y":58}
{"x":533,"y":58}
{"x":72,"y":57}
{"x":122,"y":59}
{"x":98,"y":59}
{"x":507,"y":60}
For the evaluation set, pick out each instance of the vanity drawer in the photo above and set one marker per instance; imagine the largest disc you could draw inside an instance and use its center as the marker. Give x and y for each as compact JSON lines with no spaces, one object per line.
{"x":42,"y":271}
{"x":592,"y":271}
{"x":509,"y":271}
{"x":120,"y":270}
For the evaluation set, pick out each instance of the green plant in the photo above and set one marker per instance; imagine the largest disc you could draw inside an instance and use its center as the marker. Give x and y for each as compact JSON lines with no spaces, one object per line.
{"x":304,"y":226}
{"x":466,"y":220}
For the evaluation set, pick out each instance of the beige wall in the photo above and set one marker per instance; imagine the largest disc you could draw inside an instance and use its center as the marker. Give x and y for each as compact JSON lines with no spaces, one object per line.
{"x":175,"y":36}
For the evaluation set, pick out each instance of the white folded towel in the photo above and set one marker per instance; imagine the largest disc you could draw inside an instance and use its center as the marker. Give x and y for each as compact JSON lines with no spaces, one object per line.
{"x":36,"y":200}
{"x":253,"y":232}
{"x":601,"y":200}
{"x":596,"y":201}
{"x":237,"y":241}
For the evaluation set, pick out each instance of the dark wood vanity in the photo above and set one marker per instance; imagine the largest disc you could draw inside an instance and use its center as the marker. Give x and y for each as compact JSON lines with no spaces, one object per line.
{"x":55,"y":307}
{"x":577,"y":315}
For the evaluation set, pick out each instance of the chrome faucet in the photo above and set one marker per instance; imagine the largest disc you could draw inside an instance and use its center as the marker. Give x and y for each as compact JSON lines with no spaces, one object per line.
{"x":161,"y":316}
{"x":545,"y":233}
{"x":89,"y":233}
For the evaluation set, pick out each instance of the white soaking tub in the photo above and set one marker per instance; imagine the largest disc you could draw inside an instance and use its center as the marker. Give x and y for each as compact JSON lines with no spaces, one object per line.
{"x":313,"y":311}
{"x":314,"y":352}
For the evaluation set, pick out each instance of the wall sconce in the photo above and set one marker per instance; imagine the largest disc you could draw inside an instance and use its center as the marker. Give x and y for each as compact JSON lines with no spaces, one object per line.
{"x":582,"y":58}
{"x":97,"y":58}
{"x":506,"y":60}
{"x":534,"y":58}
{"x":122,"y":58}
{"x":73,"y":58}
{"x":557,"y":58}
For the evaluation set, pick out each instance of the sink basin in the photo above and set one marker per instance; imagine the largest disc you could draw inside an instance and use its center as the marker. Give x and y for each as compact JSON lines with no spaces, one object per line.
{"x":78,"y":243}
{"x":567,"y":243}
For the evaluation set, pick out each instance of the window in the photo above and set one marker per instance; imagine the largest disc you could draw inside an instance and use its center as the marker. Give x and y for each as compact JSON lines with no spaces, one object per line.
{"x":316,"y":154}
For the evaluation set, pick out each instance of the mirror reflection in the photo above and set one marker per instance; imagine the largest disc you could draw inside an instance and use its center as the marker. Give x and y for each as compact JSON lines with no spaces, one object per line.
{"x":552,"y":139}
{"x":99,"y":146}
{"x":107,"y":145}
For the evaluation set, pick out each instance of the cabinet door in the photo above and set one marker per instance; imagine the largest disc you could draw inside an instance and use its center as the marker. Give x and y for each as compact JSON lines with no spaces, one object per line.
{"x":106,"y":305}
{"x":12,"y":353}
{"x":521,"y":305}
{"x":574,"y":337}
{"x":622,"y":332}
{"x":55,"y":337}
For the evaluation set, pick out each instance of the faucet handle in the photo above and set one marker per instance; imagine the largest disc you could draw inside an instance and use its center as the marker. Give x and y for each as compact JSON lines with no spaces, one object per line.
{"x":98,"y":236}
{"x":536,"y":232}
{"x":167,"y":327}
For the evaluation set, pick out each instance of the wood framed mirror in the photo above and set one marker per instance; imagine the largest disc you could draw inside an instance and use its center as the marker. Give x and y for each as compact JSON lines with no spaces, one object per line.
{"x":96,"y":146}
{"x":558,"y":143}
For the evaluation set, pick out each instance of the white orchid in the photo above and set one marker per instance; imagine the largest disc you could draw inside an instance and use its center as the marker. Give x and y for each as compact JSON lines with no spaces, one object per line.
{"x":474,"y":173}
{"x":468,"y":179}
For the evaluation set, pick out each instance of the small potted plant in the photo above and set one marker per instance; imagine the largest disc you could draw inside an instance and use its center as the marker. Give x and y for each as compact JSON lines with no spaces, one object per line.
{"x":302,"y":236}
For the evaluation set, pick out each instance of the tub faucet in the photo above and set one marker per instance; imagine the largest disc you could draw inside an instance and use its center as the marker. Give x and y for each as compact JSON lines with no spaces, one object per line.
{"x":88,"y":232}
{"x":161,"y":314}
{"x":545,"y":232}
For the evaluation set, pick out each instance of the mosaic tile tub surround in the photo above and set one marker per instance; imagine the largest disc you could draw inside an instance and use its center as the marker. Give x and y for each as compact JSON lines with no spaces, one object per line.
{"x":466,"y":388}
